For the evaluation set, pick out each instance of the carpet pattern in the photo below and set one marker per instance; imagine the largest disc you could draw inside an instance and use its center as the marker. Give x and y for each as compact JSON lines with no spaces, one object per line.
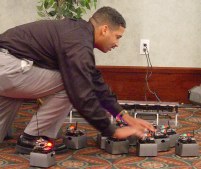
{"x":92,"y":157}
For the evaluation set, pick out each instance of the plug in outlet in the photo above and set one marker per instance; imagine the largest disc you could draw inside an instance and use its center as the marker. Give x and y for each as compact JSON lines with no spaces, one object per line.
{"x":144,"y":45}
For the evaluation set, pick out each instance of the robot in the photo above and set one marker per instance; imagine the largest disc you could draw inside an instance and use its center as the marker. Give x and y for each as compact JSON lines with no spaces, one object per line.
{"x":42,"y":154}
{"x":74,"y":138}
{"x":147,"y":146}
{"x":186,"y":145}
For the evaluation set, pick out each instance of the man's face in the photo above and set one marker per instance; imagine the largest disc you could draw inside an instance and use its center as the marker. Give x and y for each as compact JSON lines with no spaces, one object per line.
{"x":110,"y":38}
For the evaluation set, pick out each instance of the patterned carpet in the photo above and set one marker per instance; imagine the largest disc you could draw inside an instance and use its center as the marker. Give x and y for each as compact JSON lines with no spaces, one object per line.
{"x":94,"y":158}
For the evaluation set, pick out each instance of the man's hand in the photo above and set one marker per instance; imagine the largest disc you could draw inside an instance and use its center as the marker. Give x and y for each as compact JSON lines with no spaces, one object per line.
{"x":124,"y":132}
{"x":136,"y":127}
{"x":138,"y":123}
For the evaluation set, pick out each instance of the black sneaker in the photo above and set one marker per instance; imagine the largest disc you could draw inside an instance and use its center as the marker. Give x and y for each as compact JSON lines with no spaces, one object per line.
{"x":26,"y":143}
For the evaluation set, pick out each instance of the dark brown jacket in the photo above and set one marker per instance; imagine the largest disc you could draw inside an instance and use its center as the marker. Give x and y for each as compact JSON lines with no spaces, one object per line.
{"x":67,"y":45}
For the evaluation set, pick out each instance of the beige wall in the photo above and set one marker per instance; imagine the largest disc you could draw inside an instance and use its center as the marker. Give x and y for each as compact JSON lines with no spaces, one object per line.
{"x":16,"y":12}
{"x":172,"y":26}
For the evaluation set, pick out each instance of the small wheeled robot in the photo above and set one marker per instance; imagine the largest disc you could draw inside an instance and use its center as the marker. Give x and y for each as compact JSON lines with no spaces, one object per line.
{"x":171,"y":133}
{"x":74,"y":138}
{"x":162,"y":140}
{"x":186,"y":145}
{"x":116,"y":146}
{"x":147,"y":146}
{"x":42,"y":154}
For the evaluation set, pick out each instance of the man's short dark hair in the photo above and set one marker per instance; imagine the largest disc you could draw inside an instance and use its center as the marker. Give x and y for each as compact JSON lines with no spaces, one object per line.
{"x":109,"y":15}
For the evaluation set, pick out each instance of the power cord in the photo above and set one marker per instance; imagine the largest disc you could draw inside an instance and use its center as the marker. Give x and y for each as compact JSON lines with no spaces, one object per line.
{"x":39,"y":103}
{"x":37,"y":123}
{"x":148,"y":75}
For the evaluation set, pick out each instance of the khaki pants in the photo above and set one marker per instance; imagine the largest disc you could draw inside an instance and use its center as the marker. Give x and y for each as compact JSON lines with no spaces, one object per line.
{"x":20,"y":80}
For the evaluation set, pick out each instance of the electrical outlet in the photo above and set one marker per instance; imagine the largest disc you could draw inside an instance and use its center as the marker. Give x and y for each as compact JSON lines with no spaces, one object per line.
{"x":144,"y":45}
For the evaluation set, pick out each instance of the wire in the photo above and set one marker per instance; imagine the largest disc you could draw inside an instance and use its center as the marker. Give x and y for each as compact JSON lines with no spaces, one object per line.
{"x":37,"y":123}
{"x":39,"y":102}
{"x":148,"y":76}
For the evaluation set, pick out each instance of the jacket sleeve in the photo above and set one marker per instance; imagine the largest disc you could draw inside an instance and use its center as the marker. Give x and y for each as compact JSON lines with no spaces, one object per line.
{"x":76,"y":64}
{"x":105,"y":95}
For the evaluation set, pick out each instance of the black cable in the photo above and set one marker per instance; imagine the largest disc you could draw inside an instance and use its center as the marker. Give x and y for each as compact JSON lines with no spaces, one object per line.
{"x":148,"y":75}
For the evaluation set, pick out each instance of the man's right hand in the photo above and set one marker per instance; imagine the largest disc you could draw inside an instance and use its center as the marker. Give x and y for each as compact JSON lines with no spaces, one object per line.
{"x":124,"y":132}
{"x":138,"y":123}
{"x":136,"y":127}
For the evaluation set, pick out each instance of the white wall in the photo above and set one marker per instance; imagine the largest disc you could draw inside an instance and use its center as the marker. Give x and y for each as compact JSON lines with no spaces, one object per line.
{"x":172,"y":26}
{"x":16,"y":12}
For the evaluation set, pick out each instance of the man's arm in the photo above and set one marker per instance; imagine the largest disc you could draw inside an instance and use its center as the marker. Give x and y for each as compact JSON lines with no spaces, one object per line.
{"x":106,"y":97}
{"x":76,"y":64}
{"x":109,"y":102}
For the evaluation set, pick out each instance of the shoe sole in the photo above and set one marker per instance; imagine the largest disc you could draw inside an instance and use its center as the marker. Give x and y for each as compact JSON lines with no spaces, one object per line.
{"x":24,"y":150}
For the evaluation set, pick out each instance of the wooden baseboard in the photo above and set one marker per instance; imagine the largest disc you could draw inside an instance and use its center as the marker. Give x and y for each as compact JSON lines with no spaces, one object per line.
{"x":171,"y":84}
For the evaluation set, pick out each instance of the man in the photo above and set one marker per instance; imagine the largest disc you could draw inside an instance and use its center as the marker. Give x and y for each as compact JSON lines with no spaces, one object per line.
{"x":53,"y":60}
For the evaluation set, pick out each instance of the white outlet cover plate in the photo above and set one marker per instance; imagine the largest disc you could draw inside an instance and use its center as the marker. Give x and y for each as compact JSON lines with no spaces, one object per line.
{"x":142,"y":42}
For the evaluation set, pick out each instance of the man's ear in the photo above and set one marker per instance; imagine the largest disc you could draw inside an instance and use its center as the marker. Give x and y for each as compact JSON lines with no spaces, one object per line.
{"x":104,"y":29}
